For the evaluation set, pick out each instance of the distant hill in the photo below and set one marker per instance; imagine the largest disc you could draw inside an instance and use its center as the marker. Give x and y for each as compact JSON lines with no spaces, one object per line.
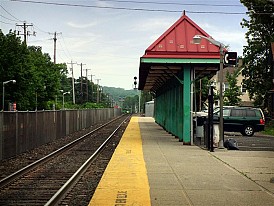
{"x":119,"y":93}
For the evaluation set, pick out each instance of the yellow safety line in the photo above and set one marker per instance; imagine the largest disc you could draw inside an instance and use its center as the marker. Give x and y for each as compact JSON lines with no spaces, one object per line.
{"x":125,"y":180}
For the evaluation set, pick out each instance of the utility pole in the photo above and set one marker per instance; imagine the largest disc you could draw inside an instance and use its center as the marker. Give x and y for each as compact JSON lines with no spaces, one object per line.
{"x":72,"y":78}
{"x":55,"y":39}
{"x":91,"y":86}
{"x":81,"y":81}
{"x":92,"y":75}
{"x":25,"y":31}
{"x":87,"y":82}
{"x":97,"y":90}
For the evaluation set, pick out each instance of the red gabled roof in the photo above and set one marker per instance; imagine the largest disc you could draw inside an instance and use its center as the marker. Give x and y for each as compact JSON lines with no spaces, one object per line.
{"x":177,"y":42}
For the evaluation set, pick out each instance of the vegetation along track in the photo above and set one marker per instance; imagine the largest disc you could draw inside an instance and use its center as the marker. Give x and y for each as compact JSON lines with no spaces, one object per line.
{"x":46,"y":177}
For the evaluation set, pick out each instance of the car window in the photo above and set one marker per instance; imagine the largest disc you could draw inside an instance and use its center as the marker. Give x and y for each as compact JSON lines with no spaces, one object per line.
{"x":226,"y":112}
{"x":216,"y":110}
{"x":238,"y":112}
{"x":250,"y":113}
{"x":258,"y":113}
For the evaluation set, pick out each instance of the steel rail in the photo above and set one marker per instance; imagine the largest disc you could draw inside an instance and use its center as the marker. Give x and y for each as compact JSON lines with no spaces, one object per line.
{"x":60,"y":194}
{"x":5,"y":181}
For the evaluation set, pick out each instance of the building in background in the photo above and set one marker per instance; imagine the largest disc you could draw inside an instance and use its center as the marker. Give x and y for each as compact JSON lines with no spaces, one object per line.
{"x":246,"y":101}
{"x":149,"y":109}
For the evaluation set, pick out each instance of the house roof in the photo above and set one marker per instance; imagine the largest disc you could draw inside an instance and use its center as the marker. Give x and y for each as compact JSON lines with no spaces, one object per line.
{"x":175,"y":47}
{"x":177,"y":42}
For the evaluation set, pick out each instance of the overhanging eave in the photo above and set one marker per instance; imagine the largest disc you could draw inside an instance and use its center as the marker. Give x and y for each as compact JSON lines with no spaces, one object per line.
{"x":152,"y":70}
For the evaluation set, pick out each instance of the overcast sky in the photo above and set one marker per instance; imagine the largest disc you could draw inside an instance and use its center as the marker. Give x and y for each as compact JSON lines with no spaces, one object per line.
{"x":110,"y":36}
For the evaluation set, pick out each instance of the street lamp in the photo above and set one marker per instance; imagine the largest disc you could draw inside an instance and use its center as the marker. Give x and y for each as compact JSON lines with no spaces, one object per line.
{"x":197,"y":40}
{"x":100,"y":93}
{"x":64,"y":98}
{"x":56,"y":98}
{"x":3,"y":99}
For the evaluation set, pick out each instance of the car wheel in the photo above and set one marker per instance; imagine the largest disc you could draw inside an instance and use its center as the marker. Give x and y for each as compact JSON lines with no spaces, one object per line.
{"x":248,"y":131}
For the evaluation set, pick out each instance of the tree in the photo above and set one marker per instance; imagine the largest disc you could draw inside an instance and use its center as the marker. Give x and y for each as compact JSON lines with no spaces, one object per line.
{"x":145,"y":97}
{"x":37,"y":78}
{"x":131,"y":103}
{"x":14,"y":64}
{"x":232,"y":93}
{"x":201,"y":92}
{"x":46,"y":79}
{"x":259,"y":36}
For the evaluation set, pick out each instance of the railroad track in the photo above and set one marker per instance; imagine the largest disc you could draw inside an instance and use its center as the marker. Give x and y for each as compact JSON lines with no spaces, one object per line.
{"x":48,"y":180}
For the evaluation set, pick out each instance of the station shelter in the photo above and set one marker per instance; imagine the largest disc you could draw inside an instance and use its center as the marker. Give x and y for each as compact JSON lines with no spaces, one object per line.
{"x":169,"y":69}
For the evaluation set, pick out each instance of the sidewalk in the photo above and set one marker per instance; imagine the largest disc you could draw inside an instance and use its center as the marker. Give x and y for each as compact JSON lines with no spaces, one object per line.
{"x":187,"y":175}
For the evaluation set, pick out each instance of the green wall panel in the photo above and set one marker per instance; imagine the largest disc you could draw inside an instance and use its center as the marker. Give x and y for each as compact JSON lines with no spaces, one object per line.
{"x":173,"y":106}
{"x":187,"y":105}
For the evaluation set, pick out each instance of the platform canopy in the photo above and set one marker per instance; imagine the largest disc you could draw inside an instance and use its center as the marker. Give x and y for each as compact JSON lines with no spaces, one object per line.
{"x":174,"y":48}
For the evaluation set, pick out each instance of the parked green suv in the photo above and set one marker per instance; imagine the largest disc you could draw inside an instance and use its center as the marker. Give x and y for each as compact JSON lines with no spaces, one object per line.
{"x":246,"y":120}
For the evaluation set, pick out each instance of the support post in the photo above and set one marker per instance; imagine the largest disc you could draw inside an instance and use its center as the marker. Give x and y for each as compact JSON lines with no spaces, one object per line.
{"x":210,"y":118}
{"x":186,"y":106}
{"x":221,"y":80}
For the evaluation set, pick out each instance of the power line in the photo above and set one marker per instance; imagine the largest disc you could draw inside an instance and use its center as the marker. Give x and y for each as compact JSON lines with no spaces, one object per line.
{"x":124,"y":8}
{"x":144,"y":9}
{"x":10,"y":14}
{"x":66,"y":46}
{"x":25,"y":31}
{"x":8,"y":18}
{"x":173,"y":3}
{"x":6,"y":23}
{"x":63,"y":50}
{"x":18,"y":19}
{"x":40,"y":29}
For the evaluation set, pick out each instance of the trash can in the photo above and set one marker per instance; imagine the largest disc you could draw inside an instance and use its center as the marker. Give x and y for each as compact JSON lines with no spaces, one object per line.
{"x":200,"y":118}
{"x":200,"y":126}
{"x":216,"y":132}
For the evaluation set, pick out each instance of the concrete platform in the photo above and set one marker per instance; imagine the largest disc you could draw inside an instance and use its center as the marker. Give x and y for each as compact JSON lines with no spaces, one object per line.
{"x":179,"y":174}
{"x":125,"y":181}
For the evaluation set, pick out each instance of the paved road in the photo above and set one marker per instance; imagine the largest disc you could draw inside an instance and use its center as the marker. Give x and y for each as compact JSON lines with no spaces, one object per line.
{"x":258,"y":142}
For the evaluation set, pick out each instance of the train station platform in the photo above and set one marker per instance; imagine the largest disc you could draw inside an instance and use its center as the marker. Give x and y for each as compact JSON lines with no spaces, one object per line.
{"x":151,"y":167}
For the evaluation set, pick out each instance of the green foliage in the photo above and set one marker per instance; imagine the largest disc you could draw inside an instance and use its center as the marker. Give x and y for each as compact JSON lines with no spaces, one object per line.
{"x":119,"y":93}
{"x":131,"y":104}
{"x":46,"y":76}
{"x":87,"y":105}
{"x":260,"y":34}
{"x":145,"y":97}
{"x":201,"y":90}
{"x":128,"y":99}
{"x":40,"y":83}
{"x":13,"y":64}
{"x":232,"y":93}
{"x":37,"y":78}
{"x":269,"y":128}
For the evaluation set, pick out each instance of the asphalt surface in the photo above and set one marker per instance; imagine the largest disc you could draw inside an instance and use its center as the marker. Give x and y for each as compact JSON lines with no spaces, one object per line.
{"x":258,"y":142}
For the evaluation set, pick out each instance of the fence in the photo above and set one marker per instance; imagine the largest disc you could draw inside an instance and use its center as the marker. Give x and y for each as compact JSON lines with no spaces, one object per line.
{"x":22,"y":131}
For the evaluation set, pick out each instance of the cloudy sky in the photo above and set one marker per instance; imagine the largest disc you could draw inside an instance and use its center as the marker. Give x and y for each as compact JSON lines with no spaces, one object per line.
{"x":110,"y":36}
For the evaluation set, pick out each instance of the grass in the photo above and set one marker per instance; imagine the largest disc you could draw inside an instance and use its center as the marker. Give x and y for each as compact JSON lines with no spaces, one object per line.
{"x":269,"y":129}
